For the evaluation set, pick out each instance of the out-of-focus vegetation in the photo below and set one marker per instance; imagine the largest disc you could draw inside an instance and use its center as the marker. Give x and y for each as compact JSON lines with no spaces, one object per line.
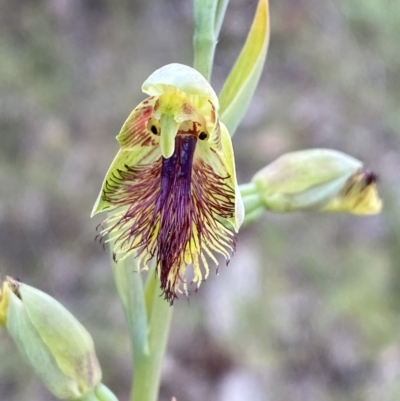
{"x":309,"y":308}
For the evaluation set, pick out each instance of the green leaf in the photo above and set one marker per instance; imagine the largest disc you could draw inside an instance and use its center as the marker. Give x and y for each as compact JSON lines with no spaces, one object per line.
{"x":241,"y":83}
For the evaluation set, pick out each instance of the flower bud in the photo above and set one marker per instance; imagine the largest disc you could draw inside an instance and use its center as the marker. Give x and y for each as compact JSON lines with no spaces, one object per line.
{"x":318,"y":180}
{"x":55,"y":344}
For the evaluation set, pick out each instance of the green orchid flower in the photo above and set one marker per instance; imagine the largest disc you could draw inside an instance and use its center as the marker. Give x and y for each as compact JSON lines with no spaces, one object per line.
{"x":171,"y":191}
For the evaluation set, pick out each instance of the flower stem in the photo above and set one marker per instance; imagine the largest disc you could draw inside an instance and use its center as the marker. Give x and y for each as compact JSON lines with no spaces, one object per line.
{"x":147,"y":369}
{"x":149,"y":317}
{"x":219,"y":15}
{"x":248,"y":189}
{"x":253,"y":203}
{"x":130,"y":288}
{"x":208,"y":17}
{"x":103,"y":393}
{"x":204,"y":39}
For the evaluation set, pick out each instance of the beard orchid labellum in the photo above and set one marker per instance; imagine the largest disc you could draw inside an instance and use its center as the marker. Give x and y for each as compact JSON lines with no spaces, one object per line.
{"x":171,"y":191}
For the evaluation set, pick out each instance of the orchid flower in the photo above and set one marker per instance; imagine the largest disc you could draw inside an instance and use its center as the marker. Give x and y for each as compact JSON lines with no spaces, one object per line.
{"x":171,"y":191}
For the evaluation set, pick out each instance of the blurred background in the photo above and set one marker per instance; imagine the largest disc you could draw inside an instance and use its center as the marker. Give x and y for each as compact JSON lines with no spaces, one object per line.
{"x":309,"y":308}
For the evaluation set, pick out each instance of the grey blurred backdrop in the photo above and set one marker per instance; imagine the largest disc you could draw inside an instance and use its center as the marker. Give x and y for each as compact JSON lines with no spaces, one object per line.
{"x":309,"y":308}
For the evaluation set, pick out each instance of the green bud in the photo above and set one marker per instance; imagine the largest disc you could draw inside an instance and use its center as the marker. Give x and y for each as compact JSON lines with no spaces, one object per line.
{"x":317,"y":180}
{"x":55,"y":344}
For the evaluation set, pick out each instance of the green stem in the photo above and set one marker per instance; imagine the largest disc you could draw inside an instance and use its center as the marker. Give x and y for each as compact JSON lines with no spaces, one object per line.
{"x":252,"y":202}
{"x":254,"y":205}
{"x":100,"y":393}
{"x":219,"y":15}
{"x":89,"y":397}
{"x":103,"y":393}
{"x":130,"y":288}
{"x":204,"y":38}
{"x":252,"y":216}
{"x":248,"y":189}
{"x":147,"y":370}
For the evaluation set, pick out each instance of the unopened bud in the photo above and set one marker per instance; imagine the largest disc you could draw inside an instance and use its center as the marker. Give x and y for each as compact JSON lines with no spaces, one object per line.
{"x":318,"y":180}
{"x":55,"y":344}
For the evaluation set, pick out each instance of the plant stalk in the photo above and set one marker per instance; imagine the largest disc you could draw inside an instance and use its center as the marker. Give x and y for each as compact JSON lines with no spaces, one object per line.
{"x":147,"y":369}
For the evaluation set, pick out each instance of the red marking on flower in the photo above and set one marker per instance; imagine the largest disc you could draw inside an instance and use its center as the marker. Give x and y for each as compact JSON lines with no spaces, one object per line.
{"x":136,"y":126}
{"x":213,"y":113}
{"x":187,"y":108}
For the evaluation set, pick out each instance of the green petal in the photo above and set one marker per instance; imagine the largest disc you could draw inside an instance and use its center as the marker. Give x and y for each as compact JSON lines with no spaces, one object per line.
{"x":229,"y":162}
{"x":131,"y":157}
{"x":358,"y":196}
{"x":222,"y":160}
{"x":241,"y":83}
{"x":137,"y":146}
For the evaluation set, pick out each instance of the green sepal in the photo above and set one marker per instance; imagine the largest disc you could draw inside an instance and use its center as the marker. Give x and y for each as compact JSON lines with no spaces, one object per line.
{"x":65,"y":337}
